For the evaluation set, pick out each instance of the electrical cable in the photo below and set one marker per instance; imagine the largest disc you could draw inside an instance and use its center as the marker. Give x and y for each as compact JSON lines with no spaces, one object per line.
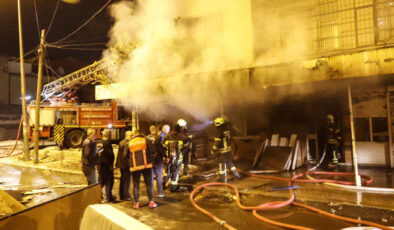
{"x":37,"y":20}
{"x":291,"y":200}
{"x":52,"y":19}
{"x":81,"y":44}
{"x":83,"y":25}
{"x":27,"y":53}
{"x":76,"y":48}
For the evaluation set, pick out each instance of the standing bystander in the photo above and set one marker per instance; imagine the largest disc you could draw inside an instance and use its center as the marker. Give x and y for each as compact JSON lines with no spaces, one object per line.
{"x":157,"y":159}
{"x":123,"y":163}
{"x":106,"y":167}
{"x":89,"y":157}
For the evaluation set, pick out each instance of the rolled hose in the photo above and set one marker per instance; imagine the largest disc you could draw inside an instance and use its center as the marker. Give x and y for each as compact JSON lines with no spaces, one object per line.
{"x":280,"y":204}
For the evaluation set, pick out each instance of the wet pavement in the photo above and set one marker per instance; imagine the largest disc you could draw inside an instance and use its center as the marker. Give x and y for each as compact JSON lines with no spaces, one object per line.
{"x":46,"y":184}
{"x":175,"y":210}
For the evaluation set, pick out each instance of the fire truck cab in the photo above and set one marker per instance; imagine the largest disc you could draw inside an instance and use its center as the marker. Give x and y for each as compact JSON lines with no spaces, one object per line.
{"x":66,"y":123}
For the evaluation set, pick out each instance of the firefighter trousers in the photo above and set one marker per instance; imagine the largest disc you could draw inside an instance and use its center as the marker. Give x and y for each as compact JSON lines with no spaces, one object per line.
{"x":173,"y":171}
{"x":226,"y":161}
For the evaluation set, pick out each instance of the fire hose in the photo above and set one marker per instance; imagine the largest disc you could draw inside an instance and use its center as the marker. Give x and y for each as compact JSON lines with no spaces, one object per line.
{"x":16,"y":141}
{"x":280,"y":204}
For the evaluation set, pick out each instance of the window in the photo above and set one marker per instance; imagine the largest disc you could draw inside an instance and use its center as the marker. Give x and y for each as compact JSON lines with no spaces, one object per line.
{"x":365,"y":29}
{"x":385,"y":20}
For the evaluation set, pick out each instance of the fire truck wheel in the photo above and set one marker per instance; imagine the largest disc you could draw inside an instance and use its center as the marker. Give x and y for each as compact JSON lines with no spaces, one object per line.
{"x":74,"y":139}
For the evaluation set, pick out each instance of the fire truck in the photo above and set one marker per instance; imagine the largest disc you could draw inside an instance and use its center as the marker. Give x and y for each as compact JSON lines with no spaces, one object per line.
{"x":64,"y":121}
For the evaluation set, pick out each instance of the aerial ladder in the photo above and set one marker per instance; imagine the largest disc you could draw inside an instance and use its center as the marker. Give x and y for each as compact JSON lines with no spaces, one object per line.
{"x":90,"y":74}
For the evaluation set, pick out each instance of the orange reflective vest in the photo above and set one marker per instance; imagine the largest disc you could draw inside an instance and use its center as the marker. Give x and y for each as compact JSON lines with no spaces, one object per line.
{"x":138,"y":154}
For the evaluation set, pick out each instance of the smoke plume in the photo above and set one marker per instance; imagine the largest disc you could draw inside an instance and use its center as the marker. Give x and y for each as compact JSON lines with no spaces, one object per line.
{"x":179,"y":53}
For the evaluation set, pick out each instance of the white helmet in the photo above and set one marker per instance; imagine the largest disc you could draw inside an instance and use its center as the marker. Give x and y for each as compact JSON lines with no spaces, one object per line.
{"x":181,"y":123}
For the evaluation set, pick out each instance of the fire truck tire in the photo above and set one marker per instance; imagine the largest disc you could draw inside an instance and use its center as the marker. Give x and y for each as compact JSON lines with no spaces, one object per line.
{"x":74,"y":139}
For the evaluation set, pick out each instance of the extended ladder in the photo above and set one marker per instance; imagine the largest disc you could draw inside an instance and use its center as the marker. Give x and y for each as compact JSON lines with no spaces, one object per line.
{"x":91,"y":73}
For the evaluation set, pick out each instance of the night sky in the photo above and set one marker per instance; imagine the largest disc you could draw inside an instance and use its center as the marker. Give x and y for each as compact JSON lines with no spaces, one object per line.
{"x":68,"y":18}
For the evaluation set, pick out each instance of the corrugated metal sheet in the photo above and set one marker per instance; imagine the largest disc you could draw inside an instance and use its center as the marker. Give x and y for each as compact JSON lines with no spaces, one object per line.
{"x":365,"y":63}
{"x":371,"y":153}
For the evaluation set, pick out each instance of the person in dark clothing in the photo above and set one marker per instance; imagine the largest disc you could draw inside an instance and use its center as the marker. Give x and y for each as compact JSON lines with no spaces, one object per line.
{"x":89,"y":157}
{"x":123,"y":163}
{"x":222,"y":146}
{"x":181,"y":128}
{"x":141,"y":150}
{"x":157,"y":159}
{"x":106,"y":166}
{"x":173,"y":144}
{"x":332,"y":139}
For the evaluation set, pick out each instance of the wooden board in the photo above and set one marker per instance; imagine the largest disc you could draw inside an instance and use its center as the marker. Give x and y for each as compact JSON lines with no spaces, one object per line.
{"x":274,"y":158}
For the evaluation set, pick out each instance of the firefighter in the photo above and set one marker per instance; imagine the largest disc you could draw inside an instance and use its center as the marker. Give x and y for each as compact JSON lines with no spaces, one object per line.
{"x":222,"y":146}
{"x":181,"y":129}
{"x":333,"y":137}
{"x":157,"y":159}
{"x":123,"y":163}
{"x":141,"y":150}
{"x":106,"y":166}
{"x":173,"y":144}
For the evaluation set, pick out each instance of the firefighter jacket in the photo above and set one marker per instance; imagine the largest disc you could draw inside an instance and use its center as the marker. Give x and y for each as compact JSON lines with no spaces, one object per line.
{"x":89,"y":153}
{"x":173,"y":144}
{"x":141,"y":150}
{"x":160,"y":150}
{"x":222,"y":140}
{"x":107,"y":156}
{"x":123,"y":158}
{"x":186,"y":142}
{"x":333,"y":134}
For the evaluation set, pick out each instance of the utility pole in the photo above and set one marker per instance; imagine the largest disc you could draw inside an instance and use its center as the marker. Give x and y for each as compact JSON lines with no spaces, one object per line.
{"x":355,"y":162}
{"x":26,"y":151}
{"x":38,"y":97}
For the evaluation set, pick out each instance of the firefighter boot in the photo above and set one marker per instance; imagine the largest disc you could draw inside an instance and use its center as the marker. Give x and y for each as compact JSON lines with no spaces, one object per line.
{"x":222,"y":173}
{"x":235,"y":173}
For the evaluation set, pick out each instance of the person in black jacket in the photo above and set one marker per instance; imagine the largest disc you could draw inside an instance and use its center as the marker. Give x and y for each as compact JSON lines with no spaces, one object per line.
{"x":123,"y":163}
{"x":157,"y":159}
{"x":106,"y":166}
{"x":89,"y":157}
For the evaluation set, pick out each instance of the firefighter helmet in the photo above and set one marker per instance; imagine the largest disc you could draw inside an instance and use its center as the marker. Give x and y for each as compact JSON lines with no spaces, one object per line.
{"x":219,"y":121}
{"x":330,"y":117}
{"x":181,"y":123}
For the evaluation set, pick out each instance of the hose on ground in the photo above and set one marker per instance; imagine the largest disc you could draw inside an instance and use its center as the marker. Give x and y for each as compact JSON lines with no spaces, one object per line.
{"x":280,"y":204}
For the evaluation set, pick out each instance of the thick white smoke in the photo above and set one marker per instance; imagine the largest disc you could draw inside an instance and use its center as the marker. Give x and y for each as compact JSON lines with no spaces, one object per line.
{"x":174,"y":52}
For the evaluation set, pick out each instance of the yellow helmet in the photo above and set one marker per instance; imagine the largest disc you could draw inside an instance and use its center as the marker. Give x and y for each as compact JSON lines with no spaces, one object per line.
{"x":219,"y":121}
{"x":181,"y":123}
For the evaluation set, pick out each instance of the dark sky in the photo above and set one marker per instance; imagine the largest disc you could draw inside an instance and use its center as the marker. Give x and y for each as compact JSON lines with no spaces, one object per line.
{"x":67,"y":19}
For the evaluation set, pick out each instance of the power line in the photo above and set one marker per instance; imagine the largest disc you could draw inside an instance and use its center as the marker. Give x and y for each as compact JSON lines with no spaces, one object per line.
{"x":53,"y":17}
{"x":37,"y":21}
{"x":84,"y":24}
{"x":76,"y":48}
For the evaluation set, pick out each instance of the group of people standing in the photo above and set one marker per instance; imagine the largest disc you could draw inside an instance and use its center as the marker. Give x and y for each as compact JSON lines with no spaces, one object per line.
{"x":138,"y":155}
